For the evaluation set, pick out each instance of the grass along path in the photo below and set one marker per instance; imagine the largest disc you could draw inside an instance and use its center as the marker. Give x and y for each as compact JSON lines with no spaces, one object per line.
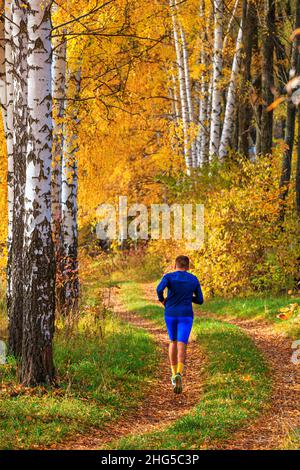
{"x":279,"y":428}
{"x":274,"y":429}
{"x":236,"y":383}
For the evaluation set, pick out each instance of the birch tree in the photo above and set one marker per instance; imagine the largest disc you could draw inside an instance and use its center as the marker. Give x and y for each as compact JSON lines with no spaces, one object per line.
{"x":19,"y":64}
{"x":227,"y":131}
{"x":215,"y":129}
{"x":69,"y":200}
{"x":59,"y":92}
{"x":3,"y":97}
{"x":7,"y":112}
{"x":182,"y":89}
{"x":188,"y":93}
{"x":39,"y":266}
{"x":203,"y":133}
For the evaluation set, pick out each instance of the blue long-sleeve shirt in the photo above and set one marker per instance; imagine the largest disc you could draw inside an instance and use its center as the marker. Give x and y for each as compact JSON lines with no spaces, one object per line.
{"x":183,"y":290}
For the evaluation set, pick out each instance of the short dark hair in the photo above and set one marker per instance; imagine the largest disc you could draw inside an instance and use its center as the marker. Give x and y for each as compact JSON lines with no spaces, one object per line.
{"x":182,"y":262}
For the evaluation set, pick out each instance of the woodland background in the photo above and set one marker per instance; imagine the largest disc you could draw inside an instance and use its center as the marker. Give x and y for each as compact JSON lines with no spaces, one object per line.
{"x":191,"y":101}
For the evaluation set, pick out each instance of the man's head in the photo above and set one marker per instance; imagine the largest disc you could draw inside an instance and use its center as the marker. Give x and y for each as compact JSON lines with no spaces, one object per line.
{"x":182,"y":262}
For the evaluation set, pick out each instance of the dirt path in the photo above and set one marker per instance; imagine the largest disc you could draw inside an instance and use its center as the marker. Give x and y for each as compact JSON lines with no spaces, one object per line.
{"x":161,"y":406}
{"x":271,"y":429}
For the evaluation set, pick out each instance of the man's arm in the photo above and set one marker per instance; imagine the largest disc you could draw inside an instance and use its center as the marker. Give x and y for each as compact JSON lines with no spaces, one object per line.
{"x":160,"y":289}
{"x":198,"y":296}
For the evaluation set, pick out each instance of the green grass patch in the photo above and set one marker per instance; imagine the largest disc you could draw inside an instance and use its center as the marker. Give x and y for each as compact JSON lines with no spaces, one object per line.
{"x":260,"y":308}
{"x":236,"y":388}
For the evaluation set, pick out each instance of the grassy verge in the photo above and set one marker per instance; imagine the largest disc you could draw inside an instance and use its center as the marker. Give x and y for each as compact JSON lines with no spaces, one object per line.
{"x":260,"y":308}
{"x":102,"y":368}
{"x":236,"y":388}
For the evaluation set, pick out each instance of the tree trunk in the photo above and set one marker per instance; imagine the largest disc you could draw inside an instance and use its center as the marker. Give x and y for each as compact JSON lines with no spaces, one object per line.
{"x":215,"y":130}
{"x":19,"y":55}
{"x":59,"y":92}
{"x":286,"y":166}
{"x":188,"y":94}
{"x":203,"y":133}
{"x":245,"y":110}
{"x":3,"y":96}
{"x":227,"y":132}
{"x":267,"y":76}
{"x":182,"y":90}
{"x":39,"y":263}
{"x":297,"y":181}
{"x":69,"y":203}
{"x":7,"y":94}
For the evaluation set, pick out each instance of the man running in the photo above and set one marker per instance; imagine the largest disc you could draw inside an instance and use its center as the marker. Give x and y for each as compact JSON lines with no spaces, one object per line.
{"x":183,"y":289}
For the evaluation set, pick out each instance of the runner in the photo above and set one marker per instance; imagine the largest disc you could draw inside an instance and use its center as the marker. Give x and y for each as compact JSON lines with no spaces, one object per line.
{"x":183,"y":289}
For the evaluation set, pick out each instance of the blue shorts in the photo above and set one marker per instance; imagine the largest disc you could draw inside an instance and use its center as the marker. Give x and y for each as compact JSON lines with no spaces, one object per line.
{"x":179,"y":328}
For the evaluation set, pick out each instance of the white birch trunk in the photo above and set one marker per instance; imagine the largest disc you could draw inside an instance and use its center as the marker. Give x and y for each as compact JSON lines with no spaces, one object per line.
{"x":39,"y":266}
{"x":231,"y":98}
{"x":203,"y":133}
{"x":7,"y":96}
{"x":182,"y":90}
{"x":69,"y":202}
{"x":3,"y":97}
{"x":19,"y":64}
{"x":217,"y":75}
{"x":59,"y":95}
{"x":175,"y":97}
{"x":188,"y":93}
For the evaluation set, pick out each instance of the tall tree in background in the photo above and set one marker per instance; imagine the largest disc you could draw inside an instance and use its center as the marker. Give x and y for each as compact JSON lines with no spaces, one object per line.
{"x":245,"y":109}
{"x":203,"y":133}
{"x":19,"y":63}
{"x":182,"y":88}
{"x":188,"y":92}
{"x":7,"y":112}
{"x":59,"y":97}
{"x":297,"y":180}
{"x":39,"y":261}
{"x":69,"y":197}
{"x":267,"y":75}
{"x":215,"y":129}
{"x":286,"y":167}
{"x":228,"y":125}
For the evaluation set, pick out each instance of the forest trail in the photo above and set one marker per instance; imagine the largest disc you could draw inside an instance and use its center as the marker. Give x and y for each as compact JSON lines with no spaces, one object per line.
{"x":271,"y":429}
{"x":160,"y":406}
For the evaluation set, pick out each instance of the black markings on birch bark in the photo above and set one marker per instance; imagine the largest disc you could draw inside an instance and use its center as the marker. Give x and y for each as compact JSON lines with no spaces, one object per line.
{"x":182,"y":89}
{"x":39,"y":261}
{"x":59,"y":92}
{"x":8,"y":113}
{"x":69,"y":199}
{"x":203,"y":133}
{"x":215,"y":130}
{"x":229,"y":118}
{"x":19,"y":60}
